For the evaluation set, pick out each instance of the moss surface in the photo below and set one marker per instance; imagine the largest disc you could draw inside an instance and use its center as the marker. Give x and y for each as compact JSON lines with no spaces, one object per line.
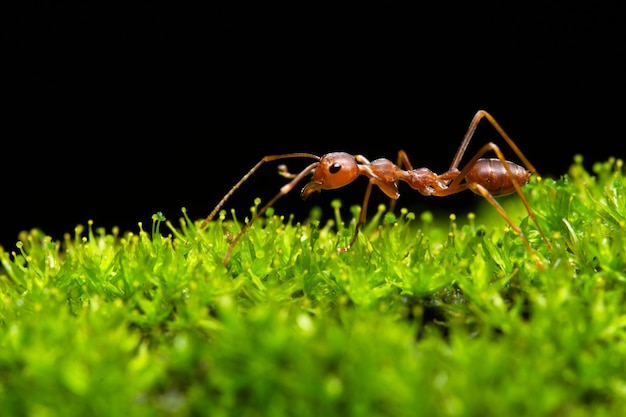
{"x":423,"y":316}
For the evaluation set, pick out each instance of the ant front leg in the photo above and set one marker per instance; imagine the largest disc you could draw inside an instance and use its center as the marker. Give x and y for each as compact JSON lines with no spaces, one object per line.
{"x":284,"y":172}
{"x":295,"y":178}
{"x":361,"y":220}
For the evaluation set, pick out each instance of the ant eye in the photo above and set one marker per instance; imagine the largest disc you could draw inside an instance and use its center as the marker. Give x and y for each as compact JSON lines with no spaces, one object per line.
{"x":334,"y":168}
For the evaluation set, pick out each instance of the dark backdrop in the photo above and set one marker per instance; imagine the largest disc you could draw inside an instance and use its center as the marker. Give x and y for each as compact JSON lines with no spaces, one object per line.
{"x":112,"y":114}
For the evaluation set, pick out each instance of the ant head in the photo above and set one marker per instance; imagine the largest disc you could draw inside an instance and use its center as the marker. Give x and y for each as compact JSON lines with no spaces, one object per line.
{"x":334,"y":170}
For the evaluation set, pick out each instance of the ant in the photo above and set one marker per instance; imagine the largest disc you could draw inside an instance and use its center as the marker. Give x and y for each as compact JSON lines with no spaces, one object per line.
{"x":487,"y":177}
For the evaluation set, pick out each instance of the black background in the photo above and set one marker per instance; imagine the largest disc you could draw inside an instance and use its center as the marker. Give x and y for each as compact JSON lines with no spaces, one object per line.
{"x":113,"y":113}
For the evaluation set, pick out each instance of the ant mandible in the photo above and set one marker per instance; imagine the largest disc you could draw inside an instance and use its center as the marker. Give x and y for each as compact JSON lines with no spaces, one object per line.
{"x":487,"y":177}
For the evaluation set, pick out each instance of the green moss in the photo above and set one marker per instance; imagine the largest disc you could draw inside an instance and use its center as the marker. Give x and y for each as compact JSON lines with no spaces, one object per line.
{"x":425,"y":315}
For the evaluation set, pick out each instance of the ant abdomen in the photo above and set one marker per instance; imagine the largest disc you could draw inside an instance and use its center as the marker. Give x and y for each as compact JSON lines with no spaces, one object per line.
{"x":493,"y":176}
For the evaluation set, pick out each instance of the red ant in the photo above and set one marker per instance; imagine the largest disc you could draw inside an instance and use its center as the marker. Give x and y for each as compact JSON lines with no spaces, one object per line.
{"x":487,"y":177}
